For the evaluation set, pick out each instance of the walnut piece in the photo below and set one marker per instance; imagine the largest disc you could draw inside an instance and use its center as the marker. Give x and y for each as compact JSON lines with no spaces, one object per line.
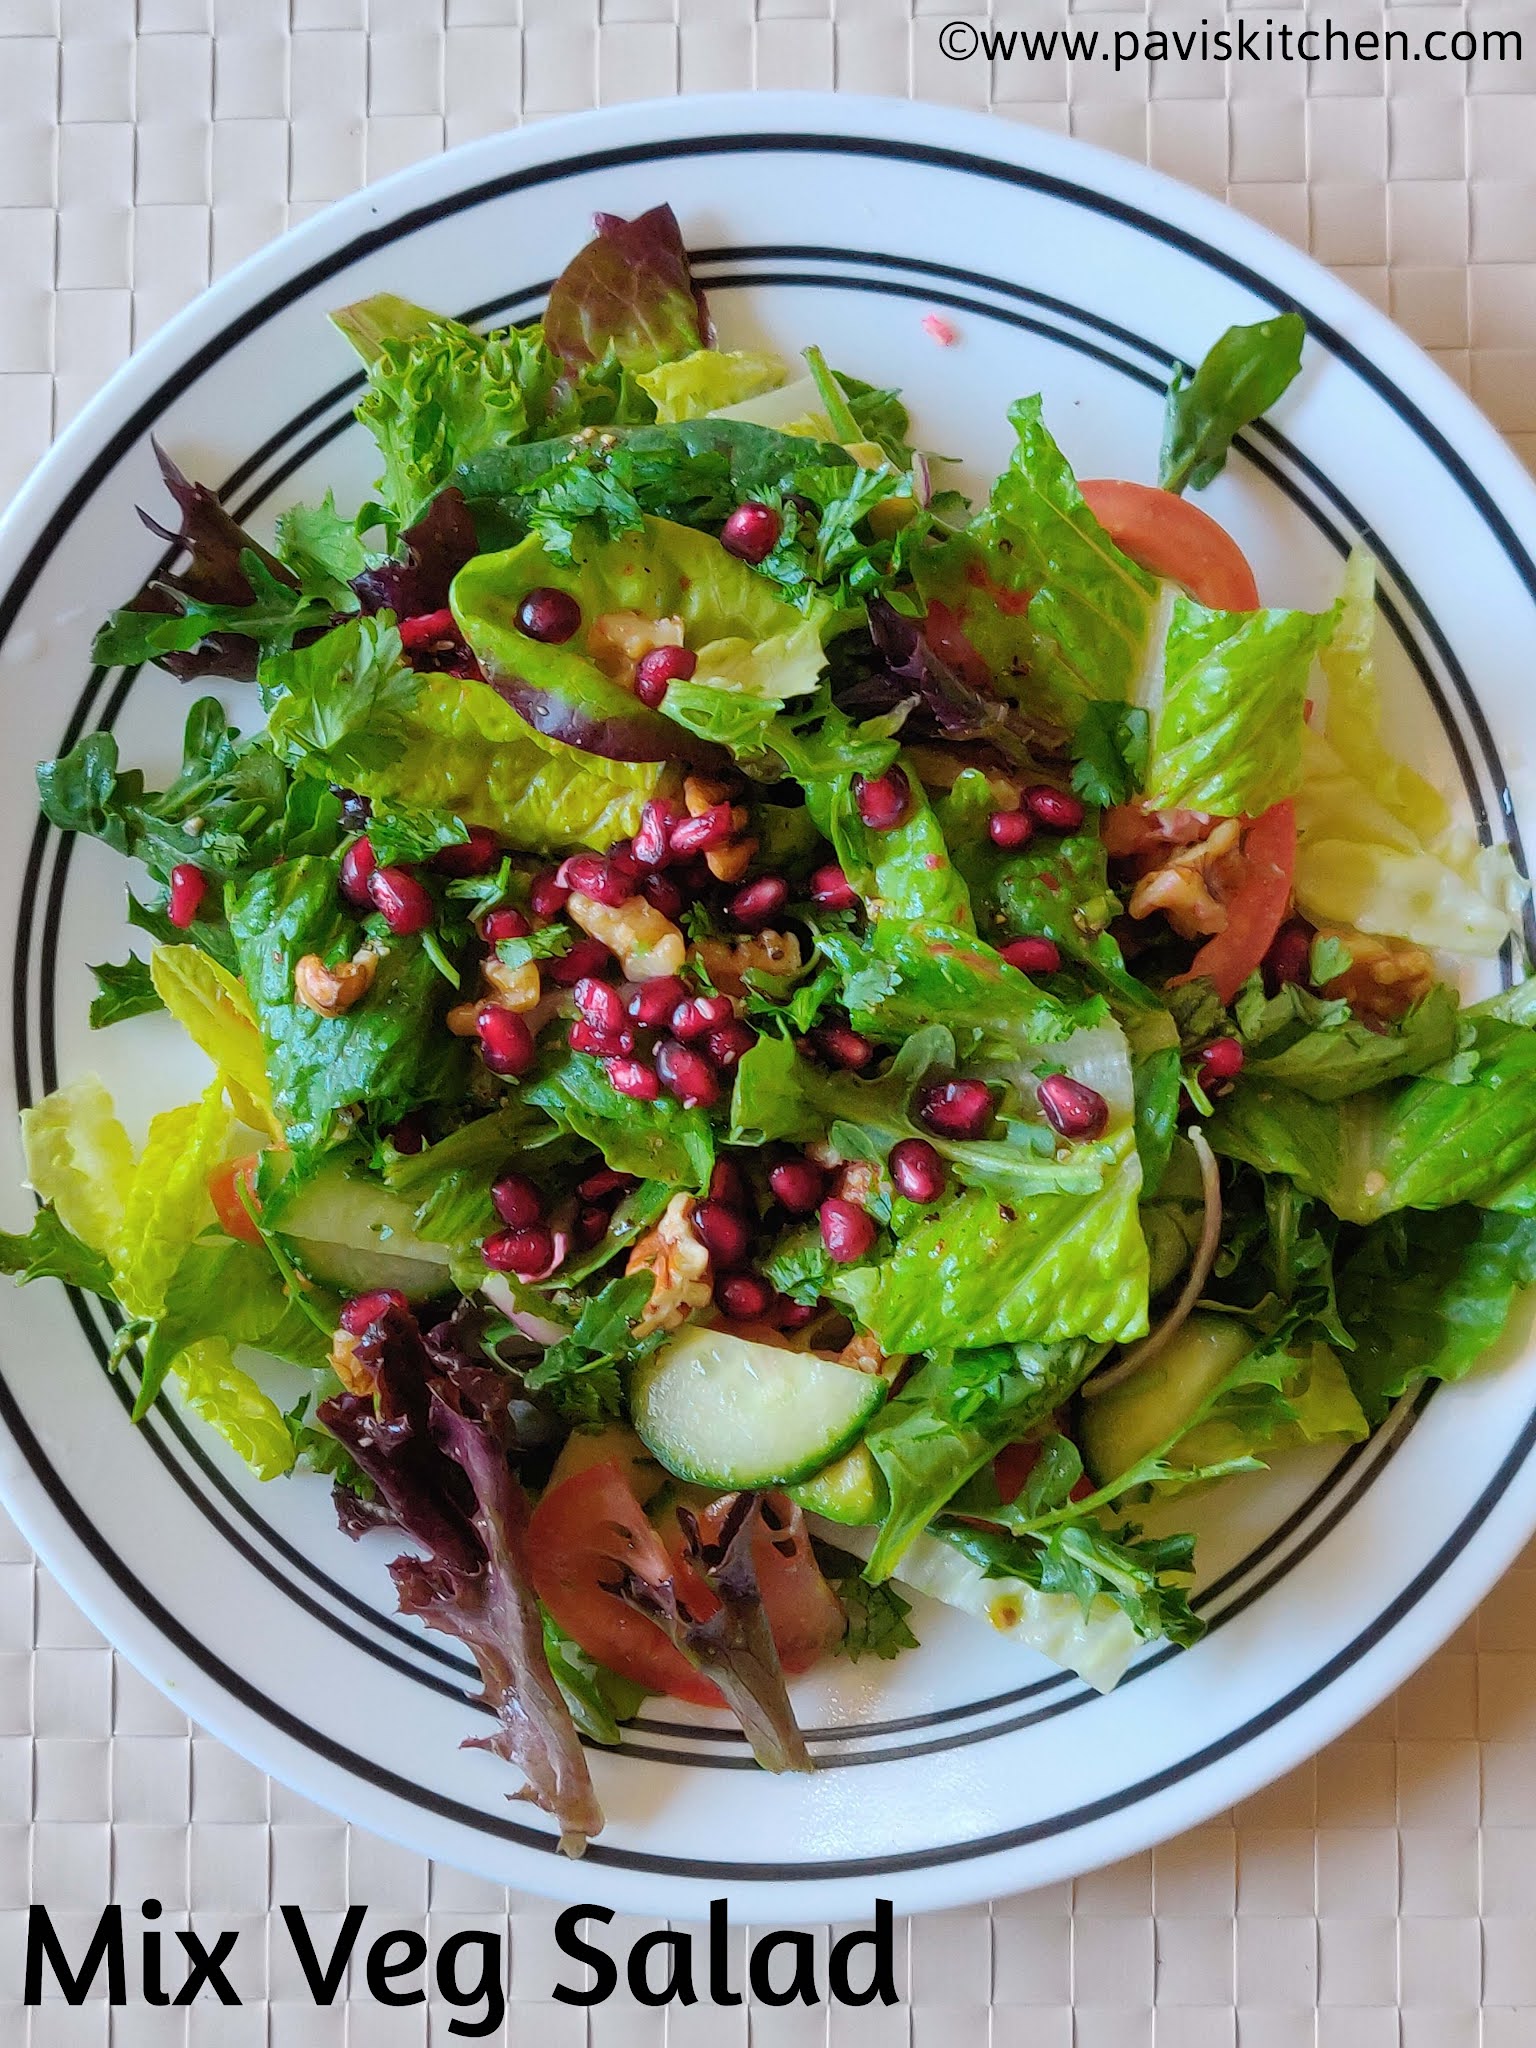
{"x":727,"y":961}
{"x":1385,"y":977}
{"x":329,"y":991}
{"x":678,"y":1262}
{"x":617,"y":641}
{"x":649,"y":946}
{"x":1191,"y":887}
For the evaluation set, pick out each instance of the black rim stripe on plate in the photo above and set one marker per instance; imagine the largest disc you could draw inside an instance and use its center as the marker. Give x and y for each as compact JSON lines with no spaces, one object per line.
{"x":296,"y":1562}
{"x":187,"y":373}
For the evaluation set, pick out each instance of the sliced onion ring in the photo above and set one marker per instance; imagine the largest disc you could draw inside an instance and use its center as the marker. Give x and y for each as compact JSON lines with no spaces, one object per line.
{"x":1194,"y":1284}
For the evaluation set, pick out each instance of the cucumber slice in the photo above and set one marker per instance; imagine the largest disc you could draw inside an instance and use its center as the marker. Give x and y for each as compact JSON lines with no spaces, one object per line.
{"x":725,"y":1411}
{"x":1118,"y":1428}
{"x":851,"y":1490}
{"x":354,"y":1234}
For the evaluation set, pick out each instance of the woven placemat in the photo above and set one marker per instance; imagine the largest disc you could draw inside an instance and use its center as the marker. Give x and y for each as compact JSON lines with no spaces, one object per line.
{"x":1380,"y":1897}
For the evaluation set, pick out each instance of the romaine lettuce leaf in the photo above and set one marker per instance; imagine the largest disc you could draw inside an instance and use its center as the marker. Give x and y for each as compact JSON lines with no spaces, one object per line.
{"x":1428,"y":1297}
{"x":954,"y":1414}
{"x":657,"y":1140}
{"x":167,"y":1203}
{"x":230,"y":1401}
{"x":708,"y":380}
{"x":903,"y":975}
{"x":1226,"y":737}
{"x":390,"y":1053}
{"x":213,"y":1009}
{"x":1418,"y":1144}
{"x":1318,"y":1046}
{"x":904,"y":873}
{"x":79,"y":1160}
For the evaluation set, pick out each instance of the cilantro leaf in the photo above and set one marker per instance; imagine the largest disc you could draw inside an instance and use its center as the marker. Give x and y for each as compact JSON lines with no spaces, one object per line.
{"x":122,"y":990}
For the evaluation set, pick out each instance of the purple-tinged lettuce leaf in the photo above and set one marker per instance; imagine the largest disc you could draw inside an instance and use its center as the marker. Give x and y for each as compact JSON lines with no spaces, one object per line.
{"x":629,"y":291}
{"x":431,"y":554}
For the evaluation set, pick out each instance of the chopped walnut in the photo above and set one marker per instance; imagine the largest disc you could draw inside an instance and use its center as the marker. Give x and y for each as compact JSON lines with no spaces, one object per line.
{"x":728,"y":961}
{"x":1385,"y":977}
{"x":329,"y":991}
{"x":1192,"y":886}
{"x":617,"y":641}
{"x":730,"y":862}
{"x":679,"y":1265}
{"x":649,"y":946}
{"x":511,"y":988}
{"x":344,"y":1363}
{"x":856,"y":1180}
{"x":864,"y":1355}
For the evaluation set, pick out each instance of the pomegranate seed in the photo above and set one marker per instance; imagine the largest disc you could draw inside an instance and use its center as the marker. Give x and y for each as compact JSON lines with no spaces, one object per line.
{"x":651,"y":1003}
{"x":752,"y":532}
{"x":605,"y":1182}
{"x":1289,"y":957}
{"x":1072,"y":1107}
{"x":1222,"y":1060}
{"x":730,"y":1043}
{"x":657,"y":671}
{"x":709,"y":829}
{"x":189,"y":885}
{"x":401,"y":900}
{"x":917,"y":1170}
{"x":426,"y":628}
{"x":687,"y":1075}
{"x":506,"y":1043}
{"x":794,"y":1315}
{"x":600,"y":1003}
{"x":591,"y":875}
{"x":753,"y":906}
{"x":728,"y":1184}
{"x":634,"y":1079}
{"x":663,"y":894}
{"x":363,"y":1309}
{"x":603,"y":1045}
{"x":955,"y":1109}
{"x":497,"y":925}
{"x":744,"y":1297}
{"x":1057,"y":810}
{"x":476,"y":855}
{"x":621,"y":855}
{"x":881,"y":800}
{"x":529,"y":1252}
{"x":847,"y":1231}
{"x":409,"y":1135}
{"x":652,"y":843}
{"x":725,"y":1232}
{"x":1011,"y":828}
{"x":591,"y":1228}
{"x":831,"y":888}
{"x":547,"y":896}
{"x":550,"y":615}
{"x":587,"y":956}
{"x":701,"y":1014}
{"x":355,"y":810}
{"x":1033,"y":956}
{"x":357,"y":864}
{"x":843,"y":1046}
{"x":798,"y":1185}
{"x":517,"y":1201}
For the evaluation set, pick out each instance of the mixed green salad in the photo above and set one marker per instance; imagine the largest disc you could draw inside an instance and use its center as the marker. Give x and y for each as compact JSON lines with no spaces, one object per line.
{"x":778,"y":1035}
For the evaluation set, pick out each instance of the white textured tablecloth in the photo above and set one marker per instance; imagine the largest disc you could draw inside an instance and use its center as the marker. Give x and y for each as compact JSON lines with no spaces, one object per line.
{"x":1381,"y":1897}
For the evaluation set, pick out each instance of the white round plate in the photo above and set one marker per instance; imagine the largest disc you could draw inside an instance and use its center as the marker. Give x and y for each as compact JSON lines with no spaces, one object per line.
{"x":968,"y":1768}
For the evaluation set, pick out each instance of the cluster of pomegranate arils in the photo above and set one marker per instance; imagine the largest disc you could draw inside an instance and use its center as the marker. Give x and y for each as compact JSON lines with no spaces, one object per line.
{"x":528,"y":1245}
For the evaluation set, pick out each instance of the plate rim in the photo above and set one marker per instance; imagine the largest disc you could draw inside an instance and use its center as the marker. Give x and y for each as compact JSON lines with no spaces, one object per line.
{"x":1499,"y":479}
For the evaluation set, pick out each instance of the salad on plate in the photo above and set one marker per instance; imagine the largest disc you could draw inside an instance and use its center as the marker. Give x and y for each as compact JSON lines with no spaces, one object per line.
{"x":779,"y":1036}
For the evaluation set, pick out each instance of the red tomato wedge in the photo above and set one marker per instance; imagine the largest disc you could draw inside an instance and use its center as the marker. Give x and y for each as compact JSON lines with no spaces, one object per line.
{"x":1170,"y":537}
{"x":591,"y":1523}
{"x":224,"y":1185}
{"x":1257,"y":910}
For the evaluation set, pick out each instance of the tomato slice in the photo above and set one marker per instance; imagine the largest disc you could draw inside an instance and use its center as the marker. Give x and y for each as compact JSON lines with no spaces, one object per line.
{"x":1170,"y":537}
{"x":1012,"y":1466}
{"x":224,"y":1185}
{"x":579,"y":1533}
{"x":590,"y":1523}
{"x":1257,"y":910}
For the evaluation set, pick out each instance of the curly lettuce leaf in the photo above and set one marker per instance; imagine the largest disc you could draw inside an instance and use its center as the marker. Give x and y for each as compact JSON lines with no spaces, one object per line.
{"x":49,"y":1251}
{"x":1228,"y":732}
{"x":390,"y":1053}
{"x":1429,"y":1297}
{"x":708,"y":380}
{"x":123,"y":990}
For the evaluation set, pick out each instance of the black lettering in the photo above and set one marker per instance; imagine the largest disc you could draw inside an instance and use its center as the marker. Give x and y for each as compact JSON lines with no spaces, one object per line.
{"x":1155,"y":48}
{"x":488,"y":1985}
{"x":382,"y":1972}
{"x":1308,"y":35}
{"x":1184,"y":46}
{"x":802,"y":1984}
{"x":1132,"y":39}
{"x":155,"y":1992}
{"x":998,"y":43}
{"x":1496,"y":42}
{"x":323,"y":1984}
{"x":605,"y":1973}
{"x":207,"y":1968}
{"x":720,"y":1991}
{"x":679,"y":1982}
{"x":1368,"y":42}
{"x":882,"y":1975}
{"x":1221,"y":44}
{"x":1247,"y":40}
{"x":106,"y":1947}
